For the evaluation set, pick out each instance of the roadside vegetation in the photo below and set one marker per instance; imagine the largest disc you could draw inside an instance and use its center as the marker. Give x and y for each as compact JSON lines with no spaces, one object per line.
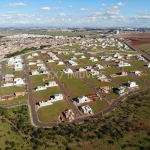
{"x":128,"y":127}
{"x":21,"y":52}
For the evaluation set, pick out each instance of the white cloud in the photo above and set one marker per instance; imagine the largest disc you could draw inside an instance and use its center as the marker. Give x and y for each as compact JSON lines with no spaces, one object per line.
{"x":120,"y":4}
{"x":46,"y":8}
{"x":38,"y":19}
{"x":103,"y":4}
{"x":17,"y":4}
{"x":70,"y":6}
{"x":62,"y":14}
{"x":87,"y":9}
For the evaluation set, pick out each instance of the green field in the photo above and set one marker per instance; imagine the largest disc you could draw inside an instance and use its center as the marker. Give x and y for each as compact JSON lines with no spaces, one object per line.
{"x":44,"y":95}
{"x":98,"y":105}
{"x":11,"y":90}
{"x":130,"y":78}
{"x":36,"y":80}
{"x":50,"y":113}
{"x":75,"y":86}
{"x":127,"y":127}
{"x":14,"y":101}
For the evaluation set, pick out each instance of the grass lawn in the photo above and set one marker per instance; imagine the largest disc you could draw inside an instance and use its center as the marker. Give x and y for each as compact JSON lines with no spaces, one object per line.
{"x":51,"y":113}
{"x":32,"y":67}
{"x":11,"y":90}
{"x":8,"y":134}
{"x":65,"y":57}
{"x":45,"y":94}
{"x":75,"y":86}
{"x":37,"y":80}
{"x":9,"y":70}
{"x":129,"y":78}
{"x":97,"y":83}
{"x":109,"y":71}
{"x":98,"y":105}
{"x":16,"y":100}
{"x":112,"y":95}
{"x":19,"y":74}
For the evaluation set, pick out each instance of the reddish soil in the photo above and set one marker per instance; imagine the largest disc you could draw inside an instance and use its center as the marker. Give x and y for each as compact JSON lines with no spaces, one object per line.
{"x":140,"y":42}
{"x":134,"y":36}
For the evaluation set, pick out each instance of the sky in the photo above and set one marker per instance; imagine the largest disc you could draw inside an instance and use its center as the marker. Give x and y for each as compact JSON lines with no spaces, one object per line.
{"x":74,"y":13}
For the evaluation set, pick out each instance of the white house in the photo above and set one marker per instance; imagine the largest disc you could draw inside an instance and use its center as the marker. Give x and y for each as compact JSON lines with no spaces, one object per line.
{"x":81,"y":69}
{"x":74,"y":58}
{"x":88,"y":68}
{"x":72,"y":63}
{"x":60,"y":63}
{"x":82,"y":99}
{"x":39,"y":88}
{"x":148,"y":65}
{"x":31,"y":63}
{"x":132,"y":84}
{"x":29,"y":57}
{"x":18,"y":67}
{"x":51,"y":84}
{"x":93,"y":59}
{"x":8,"y":76}
{"x":55,"y":57}
{"x":18,"y":81}
{"x":35,"y":54}
{"x":46,"y":103}
{"x":86,"y":109}
{"x":102,"y":76}
{"x":42,"y":68}
{"x":95,"y":72}
{"x":11,"y":61}
{"x":44,"y":72}
{"x":68,"y":70}
{"x":50,"y":60}
{"x":98,"y":66}
{"x":120,"y":90}
{"x":123,"y":64}
{"x":82,"y":57}
{"x":8,"y":84}
{"x":57,"y":97}
{"x":34,"y":72}
{"x":39,"y":64}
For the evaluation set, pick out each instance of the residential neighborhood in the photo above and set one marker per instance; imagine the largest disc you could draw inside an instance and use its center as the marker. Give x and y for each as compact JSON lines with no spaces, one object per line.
{"x":75,"y":81}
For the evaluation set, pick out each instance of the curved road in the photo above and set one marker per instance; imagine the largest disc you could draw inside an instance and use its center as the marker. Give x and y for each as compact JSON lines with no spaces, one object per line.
{"x":34,"y":117}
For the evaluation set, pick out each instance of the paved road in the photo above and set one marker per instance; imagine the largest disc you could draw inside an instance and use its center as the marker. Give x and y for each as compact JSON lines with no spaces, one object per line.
{"x":68,"y":98}
{"x":34,"y":116}
{"x":79,"y":119}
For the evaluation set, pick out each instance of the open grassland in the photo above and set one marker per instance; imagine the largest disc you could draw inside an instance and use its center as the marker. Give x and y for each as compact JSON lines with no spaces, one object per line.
{"x":109,"y":70}
{"x":98,"y":105}
{"x":65,"y":56}
{"x":11,"y":90}
{"x":37,"y":80}
{"x":75,"y":86}
{"x":14,"y":101}
{"x":127,"y":127}
{"x":44,"y":95}
{"x":130,"y":78}
{"x":50,"y":113}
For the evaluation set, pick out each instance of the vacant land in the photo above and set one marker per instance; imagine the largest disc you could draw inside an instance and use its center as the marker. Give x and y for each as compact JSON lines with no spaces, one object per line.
{"x":75,"y":86}
{"x":44,"y":95}
{"x":51,"y":113}
{"x":127,"y":127}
